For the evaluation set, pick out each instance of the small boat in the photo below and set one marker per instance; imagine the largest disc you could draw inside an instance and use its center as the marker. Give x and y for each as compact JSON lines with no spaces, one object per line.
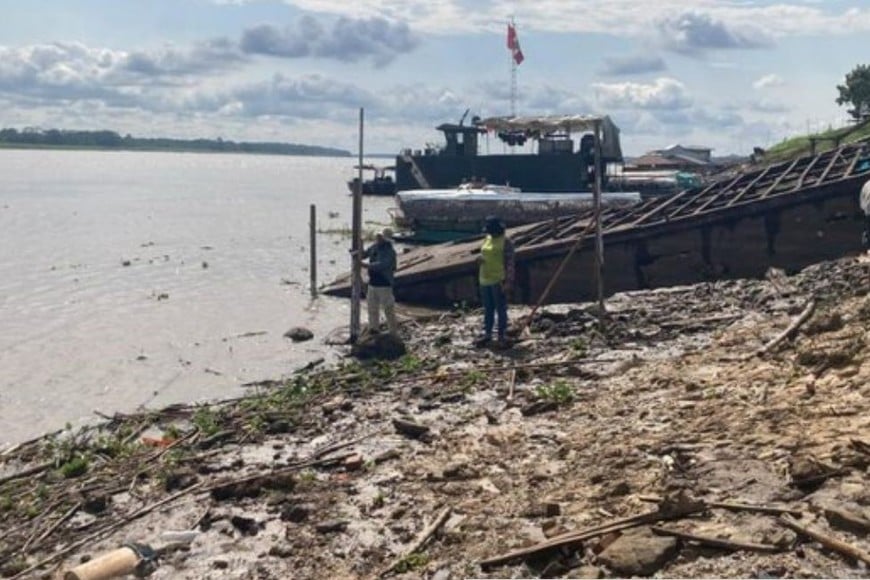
{"x":381,"y":182}
{"x":437,"y":215}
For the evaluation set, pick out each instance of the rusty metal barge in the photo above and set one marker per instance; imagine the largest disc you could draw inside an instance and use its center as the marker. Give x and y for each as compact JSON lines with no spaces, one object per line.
{"x":785,"y":215}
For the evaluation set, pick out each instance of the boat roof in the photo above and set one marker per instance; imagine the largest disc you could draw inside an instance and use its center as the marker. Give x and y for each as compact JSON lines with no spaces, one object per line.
{"x":547,"y":123}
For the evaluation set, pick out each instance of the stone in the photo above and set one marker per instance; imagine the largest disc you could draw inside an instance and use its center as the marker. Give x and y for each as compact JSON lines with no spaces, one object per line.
{"x":638,"y":553}
{"x":248,"y":526}
{"x":299,"y":334}
{"x":586,"y":572}
{"x":331,"y":526}
{"x":381,"y":346}
{"x":295,"y":514}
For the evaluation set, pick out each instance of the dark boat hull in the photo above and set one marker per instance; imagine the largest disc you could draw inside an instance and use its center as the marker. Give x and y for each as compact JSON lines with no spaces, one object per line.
{"x":544,"y":173}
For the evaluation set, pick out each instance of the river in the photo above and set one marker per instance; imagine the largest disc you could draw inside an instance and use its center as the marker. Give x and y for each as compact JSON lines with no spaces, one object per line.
{"x":135,"y":280}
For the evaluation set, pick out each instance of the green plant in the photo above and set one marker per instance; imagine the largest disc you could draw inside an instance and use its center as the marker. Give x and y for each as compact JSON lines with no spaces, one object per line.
{"x":579,"y":346}
{"x":412,"y":561}
{"x":76,"y":466}
{"x":560,"y":392}
{"x":410,"y":363}
{"x":471,"y":378}
{"x":207,"y":420}
{"x":307,"y":475}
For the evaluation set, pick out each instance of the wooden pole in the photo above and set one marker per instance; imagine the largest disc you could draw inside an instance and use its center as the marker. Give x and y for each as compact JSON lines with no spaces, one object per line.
{"x":313,"y":267}
{"x":356,"y":243}
{"x":599,"y":239}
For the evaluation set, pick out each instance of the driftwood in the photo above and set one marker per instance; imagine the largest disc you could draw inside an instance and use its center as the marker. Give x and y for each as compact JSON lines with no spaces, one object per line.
{"x":715,"y":542}
{"x":506,"y":368}
{"x":105,"y":530}
{"x":737,"y":507}
{"x":665,"y":512}
{"x":847,"y":521}
{"x":762,"y":509}
{"x":511,"y":383}
{"x":421,"y":540}
{"x":790,"y":331}
{"x":27,"y":472}
{"x":827,"y":541}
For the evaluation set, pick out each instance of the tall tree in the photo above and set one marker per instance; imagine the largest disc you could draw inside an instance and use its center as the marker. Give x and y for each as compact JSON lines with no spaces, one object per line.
{"x":856,"y":92}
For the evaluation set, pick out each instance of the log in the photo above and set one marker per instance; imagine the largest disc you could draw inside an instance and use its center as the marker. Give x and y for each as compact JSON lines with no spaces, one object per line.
{"x":715,"y":542}
{"x":790,"y":331}
{"x":422,"y":538}
{"x":827,"y":541}
{"x":679,"y":511}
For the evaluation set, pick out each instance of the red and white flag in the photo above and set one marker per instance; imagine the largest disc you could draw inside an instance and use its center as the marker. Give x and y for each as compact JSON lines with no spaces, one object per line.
{"x":513,"y":44}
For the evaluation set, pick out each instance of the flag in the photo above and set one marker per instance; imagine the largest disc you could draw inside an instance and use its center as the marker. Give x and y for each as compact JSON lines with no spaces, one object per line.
{"x":513,"y":44}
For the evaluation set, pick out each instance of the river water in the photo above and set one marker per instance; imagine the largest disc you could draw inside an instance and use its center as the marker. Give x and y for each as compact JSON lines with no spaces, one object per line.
{"x":136,"y":280}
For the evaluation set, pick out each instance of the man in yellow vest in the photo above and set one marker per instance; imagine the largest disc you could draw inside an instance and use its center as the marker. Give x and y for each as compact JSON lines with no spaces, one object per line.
{"x":496,"y":277}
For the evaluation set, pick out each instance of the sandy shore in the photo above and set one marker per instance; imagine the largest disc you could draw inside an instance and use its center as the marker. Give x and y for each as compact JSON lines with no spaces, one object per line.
{"x":590,"y":448}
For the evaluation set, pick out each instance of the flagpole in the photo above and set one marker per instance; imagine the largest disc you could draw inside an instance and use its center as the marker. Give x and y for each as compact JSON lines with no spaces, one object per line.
{"x":513,"y":76}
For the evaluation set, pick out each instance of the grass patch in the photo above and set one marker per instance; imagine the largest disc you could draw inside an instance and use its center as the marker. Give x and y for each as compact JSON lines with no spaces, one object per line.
{"x":560,"y":392}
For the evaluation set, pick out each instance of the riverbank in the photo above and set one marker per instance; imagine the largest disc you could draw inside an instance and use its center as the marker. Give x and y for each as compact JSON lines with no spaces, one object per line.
{"x":446,"y":461}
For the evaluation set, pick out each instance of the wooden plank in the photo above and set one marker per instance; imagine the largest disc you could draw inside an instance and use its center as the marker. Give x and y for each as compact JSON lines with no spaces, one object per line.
{"x":827,"y":170}
{"x":781,"y":177}
{"x":806,"y":171}
{"x":752,"y":184}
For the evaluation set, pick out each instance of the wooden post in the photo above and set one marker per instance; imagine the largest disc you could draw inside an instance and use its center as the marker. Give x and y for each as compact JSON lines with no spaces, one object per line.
{"x":356,"y":244}
{"x":313,"y":267}
{"x":599,"y":239}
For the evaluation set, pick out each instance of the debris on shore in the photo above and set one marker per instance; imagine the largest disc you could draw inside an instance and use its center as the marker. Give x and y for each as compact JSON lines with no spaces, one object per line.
{"x":714,"y":430}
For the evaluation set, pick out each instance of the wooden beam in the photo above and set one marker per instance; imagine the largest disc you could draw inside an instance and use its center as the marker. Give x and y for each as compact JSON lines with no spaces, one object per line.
{"x":781,"y":177}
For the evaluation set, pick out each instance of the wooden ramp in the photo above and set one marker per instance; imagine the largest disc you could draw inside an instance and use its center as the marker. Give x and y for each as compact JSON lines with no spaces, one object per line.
{"x":786,"y":215}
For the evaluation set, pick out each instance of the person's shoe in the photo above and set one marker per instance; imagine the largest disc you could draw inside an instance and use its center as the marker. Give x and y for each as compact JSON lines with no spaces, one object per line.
{"x":482,"y":340}
{"x":503,"y":343}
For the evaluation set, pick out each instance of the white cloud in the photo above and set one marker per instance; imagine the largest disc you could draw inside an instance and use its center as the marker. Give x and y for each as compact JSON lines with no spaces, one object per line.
{"x":768,"y":81}
{"x":663,"y":93}
{"x":634,"y":18}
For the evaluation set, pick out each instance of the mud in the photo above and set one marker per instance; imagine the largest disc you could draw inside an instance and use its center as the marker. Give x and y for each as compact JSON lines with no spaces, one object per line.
{"x":664,"y":396}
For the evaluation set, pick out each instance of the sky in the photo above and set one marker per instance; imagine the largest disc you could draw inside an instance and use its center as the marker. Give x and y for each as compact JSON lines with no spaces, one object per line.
{"x":725,"y":74}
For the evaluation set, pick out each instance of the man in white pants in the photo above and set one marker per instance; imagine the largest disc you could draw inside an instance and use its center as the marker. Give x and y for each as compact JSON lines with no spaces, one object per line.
{"x":381,"y":266}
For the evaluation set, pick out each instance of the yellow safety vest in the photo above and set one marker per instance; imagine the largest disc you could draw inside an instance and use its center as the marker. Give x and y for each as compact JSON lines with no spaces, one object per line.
{"x":492,"y":264}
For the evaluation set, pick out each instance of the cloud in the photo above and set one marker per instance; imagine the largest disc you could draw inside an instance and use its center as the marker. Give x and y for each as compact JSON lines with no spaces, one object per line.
{"x":663,"y":93}
{"x":692,"y":32}
{"x":349,"y":40}
{"x":768,"y":81}
{"x":633,"y":65}
{"x":213,"y":55}
{"x":310,"y":96}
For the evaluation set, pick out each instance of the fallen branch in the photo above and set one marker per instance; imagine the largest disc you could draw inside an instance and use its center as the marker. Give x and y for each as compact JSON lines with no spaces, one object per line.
{"x":421,"y":540}
{"x":715,"y":542}
{"x":102,"y":532}
{"x":511,"y":383}
{"x":829,"y":542}
{"x":847,"y":521}
{"x":790,"y":331}
{"x":27,"y":472}
{"x":677,"y":512}
{"x":762,"y":509}
{"x":63,"y":519}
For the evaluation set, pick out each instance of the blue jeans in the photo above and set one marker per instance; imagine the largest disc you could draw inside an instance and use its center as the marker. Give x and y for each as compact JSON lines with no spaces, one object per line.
{"x":494,"y":301}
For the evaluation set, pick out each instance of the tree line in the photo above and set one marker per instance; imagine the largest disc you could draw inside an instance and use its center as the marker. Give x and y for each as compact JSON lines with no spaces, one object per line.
{"x":112,"y":140}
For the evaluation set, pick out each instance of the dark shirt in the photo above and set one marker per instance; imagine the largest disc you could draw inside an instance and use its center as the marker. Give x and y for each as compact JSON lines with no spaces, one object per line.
{"x":382,"y":263}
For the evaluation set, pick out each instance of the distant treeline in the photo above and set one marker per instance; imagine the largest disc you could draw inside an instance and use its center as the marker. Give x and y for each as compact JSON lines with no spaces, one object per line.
{"x":112,"y":140}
